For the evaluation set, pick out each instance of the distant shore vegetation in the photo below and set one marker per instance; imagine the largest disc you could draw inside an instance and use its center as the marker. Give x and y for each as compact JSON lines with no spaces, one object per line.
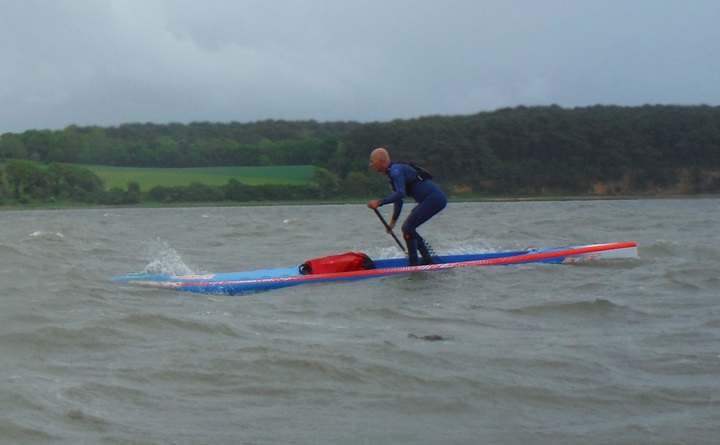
{"x":599,"y":151}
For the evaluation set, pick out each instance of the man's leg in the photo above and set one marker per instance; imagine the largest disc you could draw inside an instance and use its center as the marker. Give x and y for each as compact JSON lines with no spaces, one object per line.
{"x":424,"y":251}
{"x":419,"y":215}
{"x":411,"y":249}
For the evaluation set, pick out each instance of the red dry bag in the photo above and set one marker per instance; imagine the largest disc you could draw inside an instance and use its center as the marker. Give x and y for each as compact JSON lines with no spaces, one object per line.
{"x":345,"y":262}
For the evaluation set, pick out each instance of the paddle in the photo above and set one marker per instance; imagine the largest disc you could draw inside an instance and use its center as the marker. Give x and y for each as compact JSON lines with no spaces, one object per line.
{"x":389,"y":230}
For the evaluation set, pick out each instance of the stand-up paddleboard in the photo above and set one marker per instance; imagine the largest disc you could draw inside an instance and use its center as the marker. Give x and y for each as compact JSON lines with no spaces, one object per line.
{"x":234,"y":283}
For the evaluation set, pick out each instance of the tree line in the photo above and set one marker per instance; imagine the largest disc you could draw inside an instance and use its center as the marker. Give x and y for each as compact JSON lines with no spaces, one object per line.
{"x":27,"y":182}
{"x":598,"y":150}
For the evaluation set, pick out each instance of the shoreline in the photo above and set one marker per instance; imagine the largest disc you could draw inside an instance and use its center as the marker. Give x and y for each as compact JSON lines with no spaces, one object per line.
{"x":348,"y":201}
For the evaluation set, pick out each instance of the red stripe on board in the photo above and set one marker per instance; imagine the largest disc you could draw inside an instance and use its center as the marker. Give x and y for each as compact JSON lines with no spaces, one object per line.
{"x":529,"y":257}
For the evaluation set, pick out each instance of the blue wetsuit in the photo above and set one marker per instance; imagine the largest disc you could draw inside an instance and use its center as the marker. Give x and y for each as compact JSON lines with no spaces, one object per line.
{"x":430,"y":200}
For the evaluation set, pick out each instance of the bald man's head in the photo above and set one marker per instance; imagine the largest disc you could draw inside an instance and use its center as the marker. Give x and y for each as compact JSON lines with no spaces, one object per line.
{"x":380,"y":160}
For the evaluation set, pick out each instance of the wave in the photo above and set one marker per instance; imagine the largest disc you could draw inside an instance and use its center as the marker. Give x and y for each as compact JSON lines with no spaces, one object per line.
{"x":661,"y":248}
{"x":597,"y":306}
{"x":44,"y":235}
{"x":165,"y":323}
{"x":166,"y":260}
{"x":8,"y":251}
{"x":17,"y":431}
{"x":50,"y":339}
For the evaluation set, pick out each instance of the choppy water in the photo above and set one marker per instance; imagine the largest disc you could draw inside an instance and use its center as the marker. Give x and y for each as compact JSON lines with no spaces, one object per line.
{"x":624,"y":352}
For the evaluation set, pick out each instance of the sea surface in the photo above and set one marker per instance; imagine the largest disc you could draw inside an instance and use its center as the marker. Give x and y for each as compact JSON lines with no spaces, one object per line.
{"x":615,"y":352}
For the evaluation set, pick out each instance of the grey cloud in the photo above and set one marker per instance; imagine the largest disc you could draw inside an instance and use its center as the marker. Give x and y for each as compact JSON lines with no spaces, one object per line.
{"x":110,"y":62}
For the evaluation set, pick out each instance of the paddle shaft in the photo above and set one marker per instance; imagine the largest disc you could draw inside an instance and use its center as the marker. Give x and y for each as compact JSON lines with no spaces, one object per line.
{"x":389,"y":230}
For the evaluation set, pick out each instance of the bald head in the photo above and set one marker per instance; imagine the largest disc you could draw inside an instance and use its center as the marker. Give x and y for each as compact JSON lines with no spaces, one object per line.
{"x":380,"y":153}
{"x":379,"y":160}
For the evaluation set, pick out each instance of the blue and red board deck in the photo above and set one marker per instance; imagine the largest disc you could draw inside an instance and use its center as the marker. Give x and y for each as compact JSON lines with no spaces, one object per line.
{"x":235,"y":283}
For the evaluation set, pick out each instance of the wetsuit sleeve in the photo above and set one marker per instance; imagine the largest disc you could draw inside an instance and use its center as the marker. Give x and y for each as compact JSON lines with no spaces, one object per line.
{"x":398,"y":186}
{"x":396,"y":197}
{"x":397,"y":208}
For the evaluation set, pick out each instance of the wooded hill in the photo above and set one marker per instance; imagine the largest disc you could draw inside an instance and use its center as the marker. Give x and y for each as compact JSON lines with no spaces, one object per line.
{"x":549,"y":150}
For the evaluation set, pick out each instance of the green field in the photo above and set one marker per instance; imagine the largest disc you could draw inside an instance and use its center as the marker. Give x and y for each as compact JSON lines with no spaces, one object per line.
{"x":148,"y":178}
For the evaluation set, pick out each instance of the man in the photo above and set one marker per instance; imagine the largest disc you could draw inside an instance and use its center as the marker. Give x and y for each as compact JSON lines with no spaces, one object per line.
{"x":404,"y":181}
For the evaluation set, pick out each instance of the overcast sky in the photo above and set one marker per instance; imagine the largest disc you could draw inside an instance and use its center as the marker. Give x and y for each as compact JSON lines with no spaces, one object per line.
{"x":108,"y":62}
